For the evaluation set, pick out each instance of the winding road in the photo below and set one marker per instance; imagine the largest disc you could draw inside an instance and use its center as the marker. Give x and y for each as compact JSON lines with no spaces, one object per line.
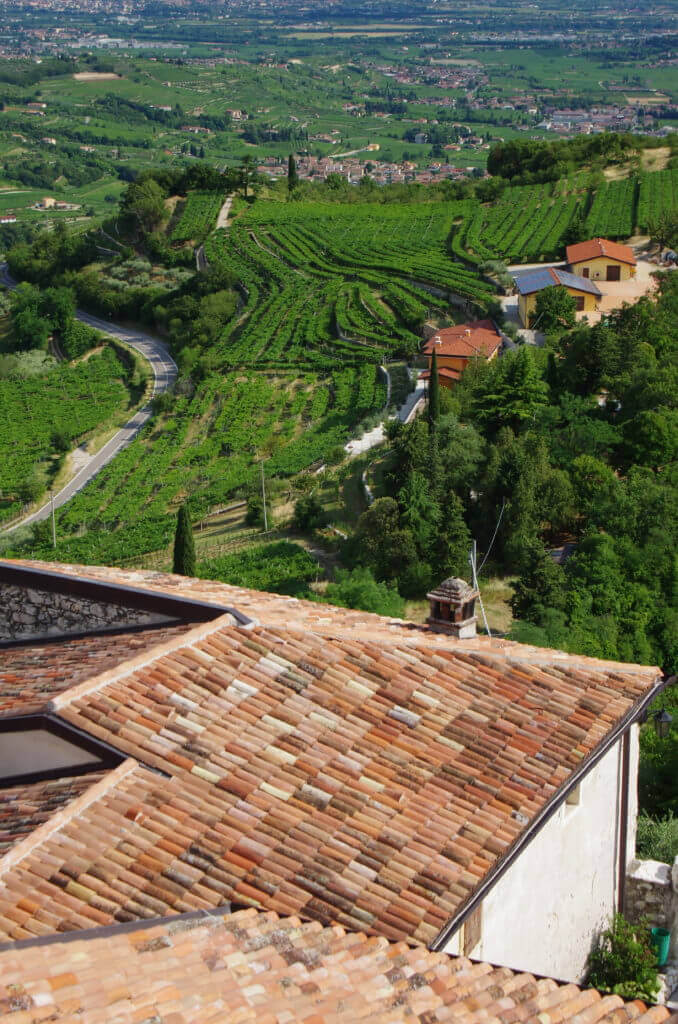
{"x":164,"y":374}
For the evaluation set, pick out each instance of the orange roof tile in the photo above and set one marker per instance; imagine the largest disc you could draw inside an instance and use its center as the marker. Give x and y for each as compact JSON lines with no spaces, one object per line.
{"x":250,"y":967}
{"x":24,"y":808}
{"x":479,"y":338}
{"x":32,"y":673}
{"x":324,"y":619}
{"x":445,"y":372}
{"x":582,"y":251}
{"x":335,"y":776}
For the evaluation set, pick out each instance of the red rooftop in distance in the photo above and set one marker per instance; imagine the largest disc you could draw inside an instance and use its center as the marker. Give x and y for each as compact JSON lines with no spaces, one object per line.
{"x":597,"y":247}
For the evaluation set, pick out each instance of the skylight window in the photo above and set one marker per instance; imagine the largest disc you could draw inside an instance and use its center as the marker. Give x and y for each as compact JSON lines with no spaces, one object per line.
{"x":38,"y":747}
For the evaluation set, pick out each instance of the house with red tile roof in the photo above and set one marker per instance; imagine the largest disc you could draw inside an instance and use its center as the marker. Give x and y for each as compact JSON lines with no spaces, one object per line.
{"x":351,"y":778}
{"x":600,"y":259}
{"x":455,"y":347}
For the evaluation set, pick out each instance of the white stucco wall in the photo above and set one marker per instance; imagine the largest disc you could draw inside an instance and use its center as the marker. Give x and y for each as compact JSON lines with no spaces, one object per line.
{"x":542,"y":915}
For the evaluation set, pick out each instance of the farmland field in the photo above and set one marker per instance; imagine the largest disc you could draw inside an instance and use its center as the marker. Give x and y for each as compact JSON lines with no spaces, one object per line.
{"x":198,"y":216}
{"x":658,"y":193}
{"x":329,"y":284}
{"x":70,"y":401}
{"x":207,"y":447}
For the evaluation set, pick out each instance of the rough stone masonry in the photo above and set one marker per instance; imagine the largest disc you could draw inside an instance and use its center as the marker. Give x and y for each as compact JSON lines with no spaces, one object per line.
{"x":30,"y":614}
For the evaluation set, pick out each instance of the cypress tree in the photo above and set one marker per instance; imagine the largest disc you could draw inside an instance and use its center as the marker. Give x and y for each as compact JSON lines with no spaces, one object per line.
{"x":292,"y":176}
{"x":184,"y":546}
{"x":433,"y":393}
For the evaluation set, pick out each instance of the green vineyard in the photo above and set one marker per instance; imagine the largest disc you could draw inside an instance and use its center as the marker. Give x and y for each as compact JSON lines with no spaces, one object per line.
{"x":208,"y":447}
{"x":325,"y":285}
{"x":529,"y":223}
{"x":70,"y":401}
{"x":198,"y":216}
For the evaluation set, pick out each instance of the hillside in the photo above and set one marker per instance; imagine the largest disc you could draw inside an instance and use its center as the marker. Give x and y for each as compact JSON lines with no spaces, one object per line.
{"x":279,"y":338}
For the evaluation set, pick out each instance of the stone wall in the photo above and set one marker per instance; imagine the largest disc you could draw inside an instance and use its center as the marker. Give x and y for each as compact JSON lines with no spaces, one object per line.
{"x":652,"y":895}
{"x":30,"y":614}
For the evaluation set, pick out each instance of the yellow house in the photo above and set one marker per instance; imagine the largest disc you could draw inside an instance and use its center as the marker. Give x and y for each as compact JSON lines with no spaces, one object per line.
{"x":529,"y":283}
{"x":602,"y":260}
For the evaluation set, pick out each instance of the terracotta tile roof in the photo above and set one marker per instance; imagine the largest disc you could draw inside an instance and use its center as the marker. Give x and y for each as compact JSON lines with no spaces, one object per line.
{"x":24,"y":808}
{"x":31,"y":674}
{"x":256,"y":967}
{"x":479,"y":338}
{"x":600,"y":247}
{"x":445,"y":372}
{"x":324,"y":619}
{"x":343,"y":779}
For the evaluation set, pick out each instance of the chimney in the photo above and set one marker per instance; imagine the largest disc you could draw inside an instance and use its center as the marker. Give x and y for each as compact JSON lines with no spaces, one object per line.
{"x":453,"y":605}
{"x":467,"y":332}
{"x":437,"y":340}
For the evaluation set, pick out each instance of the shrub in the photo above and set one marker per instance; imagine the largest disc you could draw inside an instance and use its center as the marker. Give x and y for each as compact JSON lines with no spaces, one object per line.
{"x":358,"y":588}
{"x":281,"y":568}
{"x":657,"y":839}
{"x":623,"y":961}
{"x":308,"y":514}
{"x":254,"y":516}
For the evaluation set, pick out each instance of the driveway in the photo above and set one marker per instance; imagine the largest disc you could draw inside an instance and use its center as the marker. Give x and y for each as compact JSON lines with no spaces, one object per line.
{"x":164,"y":374}
{"x":616,"y":293}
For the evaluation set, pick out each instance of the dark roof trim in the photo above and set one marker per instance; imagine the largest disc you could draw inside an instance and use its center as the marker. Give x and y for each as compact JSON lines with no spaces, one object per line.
{"x":105,"y":756}
{"x":141,"y":924}
{"x":53,"y":639}
{"x":186,"y":609}
{"x":635,"y":714}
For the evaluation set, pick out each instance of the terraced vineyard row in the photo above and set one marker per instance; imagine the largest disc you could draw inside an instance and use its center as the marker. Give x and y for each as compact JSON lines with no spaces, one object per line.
{"x":613,"y":211}
{"x":529,"y":223}
{"x":198,"y":216}
{"x":658,"y":193}
{"x":526,"y":224}
{"x":326,"y":285}
{"x":208,"y":448}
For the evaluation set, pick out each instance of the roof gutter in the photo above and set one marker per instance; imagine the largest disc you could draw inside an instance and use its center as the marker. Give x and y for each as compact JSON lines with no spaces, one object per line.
{"x":635,"y":714}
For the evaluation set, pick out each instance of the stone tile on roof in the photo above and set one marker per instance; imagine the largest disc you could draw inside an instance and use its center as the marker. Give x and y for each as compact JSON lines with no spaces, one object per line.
{"x":342,"y":779}
{"x":31,"y":674}
{"x":256,"y":967}
{"x":24,"y":808}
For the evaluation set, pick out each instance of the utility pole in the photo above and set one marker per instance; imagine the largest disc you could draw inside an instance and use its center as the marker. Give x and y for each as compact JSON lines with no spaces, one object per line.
{"x":51,"y":495}
{"x":263,"y":494}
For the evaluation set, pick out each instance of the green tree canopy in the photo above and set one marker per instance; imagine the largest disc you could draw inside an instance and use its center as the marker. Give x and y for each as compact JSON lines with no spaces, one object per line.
{"x":555,"y":310}
{"x":184,"y":545}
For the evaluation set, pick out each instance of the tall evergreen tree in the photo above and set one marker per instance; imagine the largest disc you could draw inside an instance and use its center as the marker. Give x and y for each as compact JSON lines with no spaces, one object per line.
{"x":292,"y":176}
{"x":184,"y":545}
{"x":433,"y":393}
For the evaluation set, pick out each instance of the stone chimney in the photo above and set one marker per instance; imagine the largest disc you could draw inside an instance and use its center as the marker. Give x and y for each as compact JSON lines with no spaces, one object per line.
{"x":453,"y":605}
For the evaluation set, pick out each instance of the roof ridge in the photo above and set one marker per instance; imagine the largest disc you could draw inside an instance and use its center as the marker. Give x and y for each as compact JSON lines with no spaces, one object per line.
{"x":54,"y":824}
{"x":147,"y":657}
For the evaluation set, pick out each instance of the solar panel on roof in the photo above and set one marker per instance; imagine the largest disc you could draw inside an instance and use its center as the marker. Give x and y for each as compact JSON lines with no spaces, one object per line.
{"x":533,"y":281}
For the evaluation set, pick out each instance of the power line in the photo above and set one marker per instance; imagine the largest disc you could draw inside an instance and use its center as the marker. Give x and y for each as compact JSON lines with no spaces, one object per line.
{"x":494,"y":535}
{"x":474,"y":576}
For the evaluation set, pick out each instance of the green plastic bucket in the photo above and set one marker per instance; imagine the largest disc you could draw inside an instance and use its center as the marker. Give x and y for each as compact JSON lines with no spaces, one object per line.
{"x":660,"y":938}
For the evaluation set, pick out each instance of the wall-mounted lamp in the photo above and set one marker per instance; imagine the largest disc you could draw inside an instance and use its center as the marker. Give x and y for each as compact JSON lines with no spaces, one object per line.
{"x":662,"y":722}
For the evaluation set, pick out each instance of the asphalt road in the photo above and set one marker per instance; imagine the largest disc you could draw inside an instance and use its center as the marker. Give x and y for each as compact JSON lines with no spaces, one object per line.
{"x":164,"y":374}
